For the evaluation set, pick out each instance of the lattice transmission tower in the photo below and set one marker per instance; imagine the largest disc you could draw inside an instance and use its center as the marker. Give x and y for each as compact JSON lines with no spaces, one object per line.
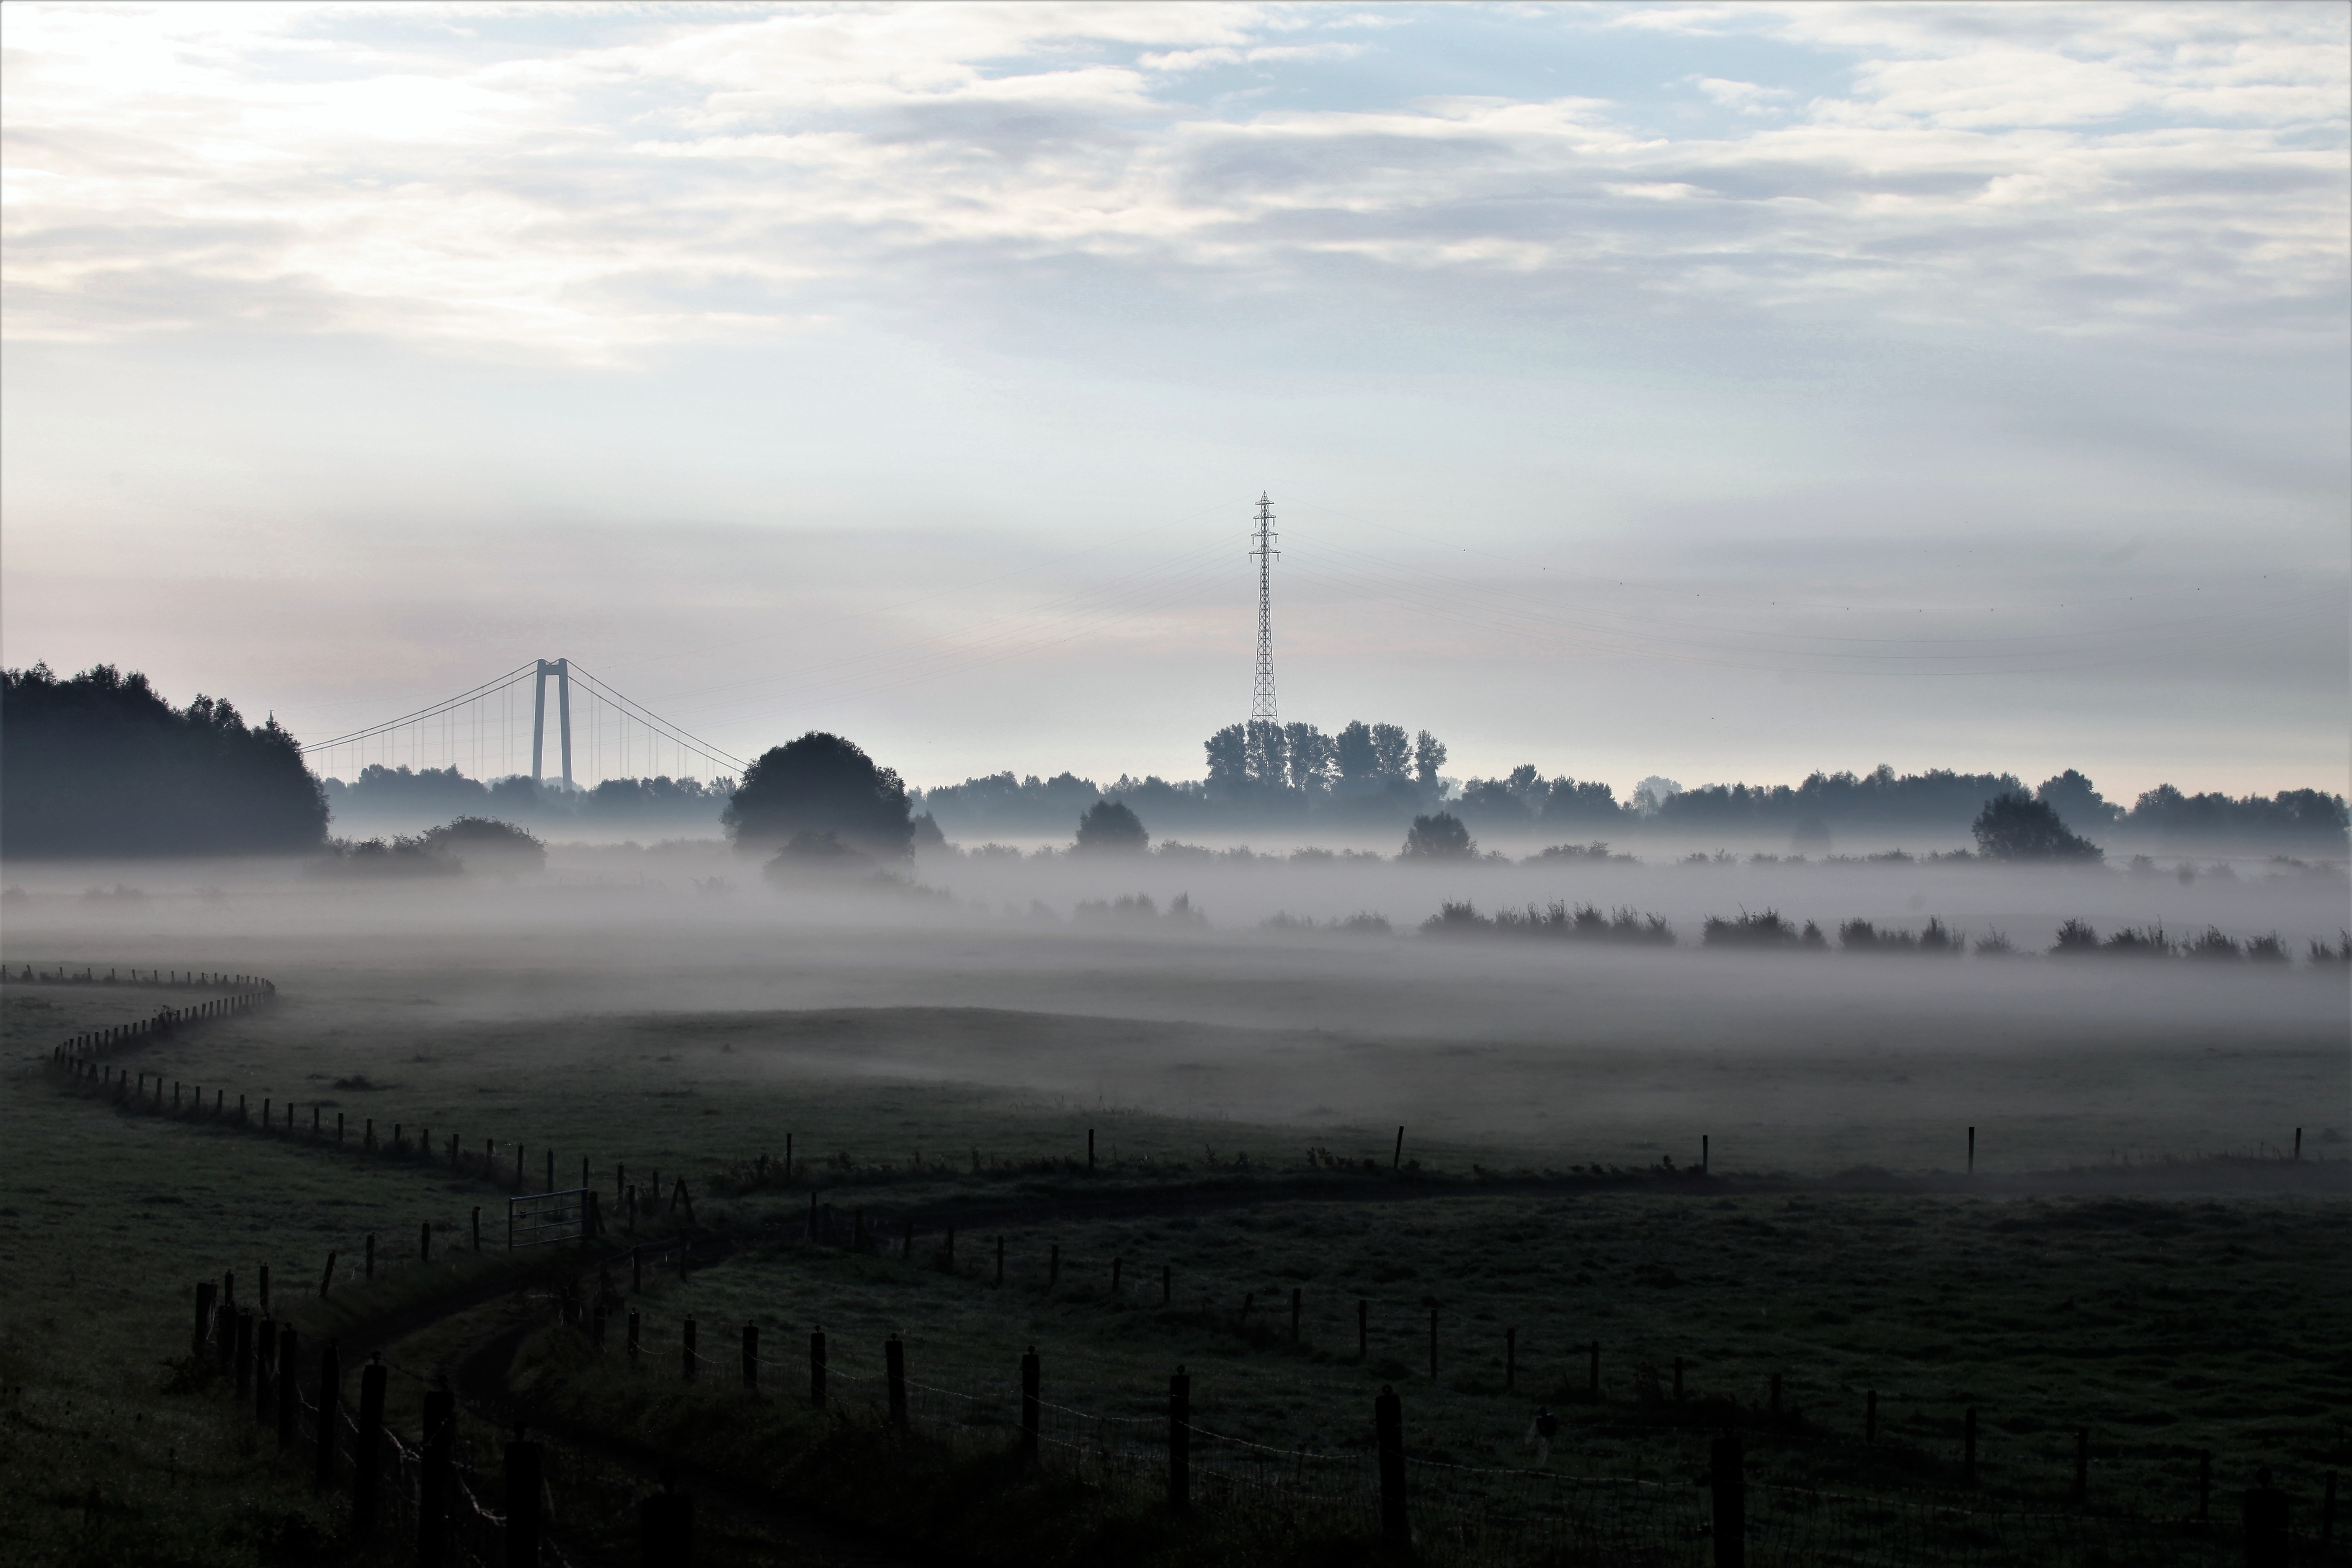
{"x":1262,"y":689}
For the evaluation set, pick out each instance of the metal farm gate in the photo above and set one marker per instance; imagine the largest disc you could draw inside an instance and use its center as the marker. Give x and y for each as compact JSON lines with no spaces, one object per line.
{"x":544,"y":1217}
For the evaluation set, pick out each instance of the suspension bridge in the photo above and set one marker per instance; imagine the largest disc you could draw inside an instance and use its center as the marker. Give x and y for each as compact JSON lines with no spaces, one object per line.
{"x":499,"y":730}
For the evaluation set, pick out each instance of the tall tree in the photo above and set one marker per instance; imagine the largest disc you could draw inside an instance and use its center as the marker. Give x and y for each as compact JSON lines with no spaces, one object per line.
{"x":1357,"y":756}
{"x":1312,"y":756}
{"x":816,"y":785}
{"x":1228,"y":751}
{"x":1269,"y":754}
{"x":100,"y":764}
{"x":1390,"y":751}
{"x":1428,"y":756}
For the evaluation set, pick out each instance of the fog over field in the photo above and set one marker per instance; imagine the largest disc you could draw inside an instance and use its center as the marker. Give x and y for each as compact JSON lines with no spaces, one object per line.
{"x":1517,"y":1049}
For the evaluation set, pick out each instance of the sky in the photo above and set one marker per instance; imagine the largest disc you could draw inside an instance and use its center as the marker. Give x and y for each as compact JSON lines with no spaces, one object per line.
{"x":1720,"y":392}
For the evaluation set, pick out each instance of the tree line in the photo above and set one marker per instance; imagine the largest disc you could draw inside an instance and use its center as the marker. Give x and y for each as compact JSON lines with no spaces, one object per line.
{"x":98,"y":764}
{"x":400,"y":795}
{"x":102,"y":764}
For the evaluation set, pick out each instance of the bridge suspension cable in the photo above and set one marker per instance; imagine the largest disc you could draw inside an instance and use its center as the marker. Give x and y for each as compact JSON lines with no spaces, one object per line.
{"x":487,"y":732}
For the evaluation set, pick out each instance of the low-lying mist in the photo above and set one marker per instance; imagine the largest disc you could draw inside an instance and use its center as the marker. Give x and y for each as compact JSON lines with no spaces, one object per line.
{"x":1546,"y":1052}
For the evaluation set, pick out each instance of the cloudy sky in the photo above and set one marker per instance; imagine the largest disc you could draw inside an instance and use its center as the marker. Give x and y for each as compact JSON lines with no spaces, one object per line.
{"x":1720,"y":391}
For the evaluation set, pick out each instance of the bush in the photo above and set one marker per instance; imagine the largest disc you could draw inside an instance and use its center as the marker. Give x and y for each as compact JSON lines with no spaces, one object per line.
{"x":807,"y":854}
{"x":1764,"y":929}
{"x":486,"y":845}
{"x":2018,"y":827}
{"x":1583,"y":923}
{"x":2130,"y":942}
{"x":2215,"y":946}
{"x":2077,"y":937}
{"x":1110,"y":828}
{"x":384,"y":857}
{"x":1438,"y":837}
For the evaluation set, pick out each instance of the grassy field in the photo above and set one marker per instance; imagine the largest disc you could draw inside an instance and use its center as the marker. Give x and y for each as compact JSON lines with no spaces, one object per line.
{"x":2166,"y":1325}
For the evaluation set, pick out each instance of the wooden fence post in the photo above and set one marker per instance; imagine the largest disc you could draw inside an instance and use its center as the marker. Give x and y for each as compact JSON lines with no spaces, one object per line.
{"x":1029,"y":1405}
{"x":206,"y":1290}
{"x":327,"y":1278}
{"x":1179,"y":1442}
{"x":435,"y":1473}
{"x":241,"y":1353}
{"x":289,"y":1393}
{"x":265,"y":1360}
{"x":331,"y":1393}
{"x":2264,"y":1514}
{"x":424,"y":1243}
{"x":666,"y":1527}
{"x":1728,"y":1484}
{"x":365,"y":1448}
{"x":523,"y":1502}
{"x":1388,"y":1424}
{"x":633,"y":1337}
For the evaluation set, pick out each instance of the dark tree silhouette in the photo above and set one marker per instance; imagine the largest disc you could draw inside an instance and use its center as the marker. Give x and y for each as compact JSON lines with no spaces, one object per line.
{"x":2018,"y":828}
{"x":100,"y":764}
{"x":821,"y":784}
{"x":1428,"y":756}
{"x":485,"y":844}
{"x":1438,"y":837}
{"x":2076,"y":799}
{"x":1110,"y":828}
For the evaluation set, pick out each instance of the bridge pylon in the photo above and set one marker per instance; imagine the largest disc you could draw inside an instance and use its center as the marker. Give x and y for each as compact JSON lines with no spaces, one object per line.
{"x":561,"y":669}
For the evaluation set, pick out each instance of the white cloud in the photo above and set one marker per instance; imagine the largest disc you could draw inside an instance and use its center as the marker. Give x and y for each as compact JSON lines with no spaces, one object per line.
{"x":1748,"y":97}
{"x":696,"y":176}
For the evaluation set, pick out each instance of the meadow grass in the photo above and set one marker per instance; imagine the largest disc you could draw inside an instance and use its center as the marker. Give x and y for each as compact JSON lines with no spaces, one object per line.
{"x":2165,"y":1326}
